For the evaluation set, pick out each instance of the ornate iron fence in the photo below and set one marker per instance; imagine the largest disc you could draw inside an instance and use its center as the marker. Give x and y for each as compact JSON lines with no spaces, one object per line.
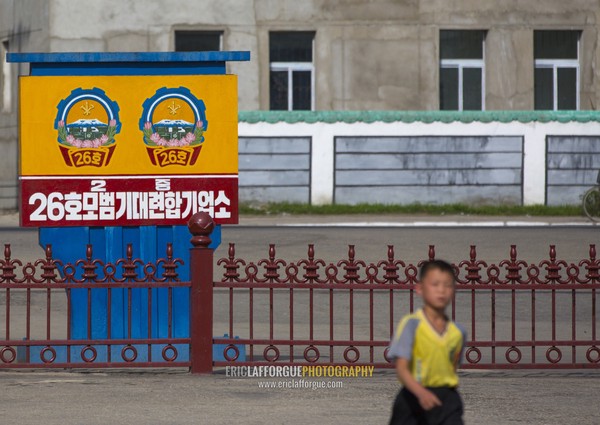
{"x":93,"y":314}
{"x":518,"y":314}
{"x":90,"y":314}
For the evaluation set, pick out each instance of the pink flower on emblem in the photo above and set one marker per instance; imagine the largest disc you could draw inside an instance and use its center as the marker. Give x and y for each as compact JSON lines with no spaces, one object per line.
{"x":189,"y":138}
{"x":173,"y":143}
{"x":77,"y":143}
{"x":112,"y":123}
{"x":86,"y":144}
{"x":147,"y":125}
{"x":61,"y":124}
{"x":199,"y":124}
{"x":96,"y":143}
{"x":155,"y":137}
{"x":103,"y":139}
{"x":70,"y":139}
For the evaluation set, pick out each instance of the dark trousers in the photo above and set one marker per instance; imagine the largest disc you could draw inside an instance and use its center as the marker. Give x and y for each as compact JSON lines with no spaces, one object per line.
{"x":408,"y":411}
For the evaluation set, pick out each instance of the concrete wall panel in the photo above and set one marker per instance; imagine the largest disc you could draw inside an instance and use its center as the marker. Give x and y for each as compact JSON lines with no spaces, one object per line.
{"x":429,"y":170}
{"x":274,"y":169}
{"x":572,"y":166}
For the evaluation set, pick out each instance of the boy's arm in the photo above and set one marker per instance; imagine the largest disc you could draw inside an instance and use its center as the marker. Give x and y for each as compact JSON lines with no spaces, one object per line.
{"x":457,"y":358}
{"x":427,"y":399}
{"x":459,"y":353}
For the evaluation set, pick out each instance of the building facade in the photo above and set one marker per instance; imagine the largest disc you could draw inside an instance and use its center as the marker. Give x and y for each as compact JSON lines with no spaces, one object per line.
{"x":333,"y":55}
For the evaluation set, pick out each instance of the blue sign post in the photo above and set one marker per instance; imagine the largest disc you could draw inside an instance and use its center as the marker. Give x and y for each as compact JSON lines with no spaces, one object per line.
{"x":109,"y":243}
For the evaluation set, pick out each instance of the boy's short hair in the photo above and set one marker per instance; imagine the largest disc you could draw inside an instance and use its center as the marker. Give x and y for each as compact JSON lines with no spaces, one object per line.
{"x":440,"y":265}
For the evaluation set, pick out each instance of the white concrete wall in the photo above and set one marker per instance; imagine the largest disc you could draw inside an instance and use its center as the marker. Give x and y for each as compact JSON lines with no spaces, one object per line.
{"x":323,"y":134}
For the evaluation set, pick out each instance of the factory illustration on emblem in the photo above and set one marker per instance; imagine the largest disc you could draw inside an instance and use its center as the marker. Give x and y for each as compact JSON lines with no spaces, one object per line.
{"x":173,"y":124}
{"x":87,"y":123}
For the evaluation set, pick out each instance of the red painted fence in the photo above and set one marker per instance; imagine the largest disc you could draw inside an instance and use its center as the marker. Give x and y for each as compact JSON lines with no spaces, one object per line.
{"x":37,"y":303}
{"x":277,"y":312}
{"x":518,"y":314}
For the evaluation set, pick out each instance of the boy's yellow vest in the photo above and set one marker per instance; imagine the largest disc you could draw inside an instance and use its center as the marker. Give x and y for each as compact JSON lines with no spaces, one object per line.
{"x":432,"y":356}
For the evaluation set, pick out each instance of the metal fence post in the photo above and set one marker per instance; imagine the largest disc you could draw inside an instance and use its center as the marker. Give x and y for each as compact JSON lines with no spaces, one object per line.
{"x":201,"y":225}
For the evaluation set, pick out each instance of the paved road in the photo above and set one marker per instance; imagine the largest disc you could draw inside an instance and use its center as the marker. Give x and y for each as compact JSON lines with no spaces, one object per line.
{"x":411,"y":244}
{"x":178,"y":398}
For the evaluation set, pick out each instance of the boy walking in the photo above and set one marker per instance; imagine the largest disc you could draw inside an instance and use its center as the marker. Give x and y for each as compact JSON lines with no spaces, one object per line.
{"x":427,"y":348}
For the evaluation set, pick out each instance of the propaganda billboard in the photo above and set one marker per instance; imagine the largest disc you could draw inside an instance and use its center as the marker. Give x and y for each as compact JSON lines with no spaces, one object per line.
{"x":127,"y":150}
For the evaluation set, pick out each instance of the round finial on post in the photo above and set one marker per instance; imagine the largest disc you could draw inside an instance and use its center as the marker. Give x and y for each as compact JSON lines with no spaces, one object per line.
{"x":272,"y":252}
{"x":473,"y":253}
{"x":48,"y":252}
{"x":431,"y":252}
{"x":201,"y":226}
{"x":351,"y":252}
{"x":552,"y":252}
{"x":513,"y":253}
{"x":311,"y":251}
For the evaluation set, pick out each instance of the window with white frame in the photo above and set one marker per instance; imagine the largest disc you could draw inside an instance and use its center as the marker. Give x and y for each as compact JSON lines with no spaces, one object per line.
{"x":198,"y":41}
{"x":556,"y":77}
{"x":462,"y":64}
{"x":291,"y":76}
{"x":5,"y":78}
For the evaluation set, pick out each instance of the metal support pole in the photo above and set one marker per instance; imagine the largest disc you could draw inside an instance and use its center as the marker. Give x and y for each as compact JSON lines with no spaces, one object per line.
{"x":201,"y":295}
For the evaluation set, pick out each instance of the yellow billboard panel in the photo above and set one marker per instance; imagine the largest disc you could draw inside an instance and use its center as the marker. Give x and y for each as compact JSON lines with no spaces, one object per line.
{"x":128,"y":125}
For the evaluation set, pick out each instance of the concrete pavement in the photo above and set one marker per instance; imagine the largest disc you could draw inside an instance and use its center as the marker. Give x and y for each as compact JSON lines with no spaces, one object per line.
{"x":174,"y":397}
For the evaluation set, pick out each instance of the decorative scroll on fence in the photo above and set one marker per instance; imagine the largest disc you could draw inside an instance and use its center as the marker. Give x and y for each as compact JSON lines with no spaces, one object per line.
{"x":123,"y":329}
{"x":518,"y":314}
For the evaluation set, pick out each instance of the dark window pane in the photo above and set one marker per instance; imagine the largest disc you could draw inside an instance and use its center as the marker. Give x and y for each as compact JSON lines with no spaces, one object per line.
{"x":461,"y":44}
{"x":555,"y":44}
{"x":293,"y":46}
{"x":449,"y":89}
{"x":302,"y":90}
{"x":544,"y":89}
{"x":279,"y":90}
{"x":567,"y":88}
{"x":472,"y":89}
{"x":197,"y":41}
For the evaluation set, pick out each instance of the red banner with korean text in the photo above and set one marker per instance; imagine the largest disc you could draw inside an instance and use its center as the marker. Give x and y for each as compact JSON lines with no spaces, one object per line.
{"x":126,"y":200}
